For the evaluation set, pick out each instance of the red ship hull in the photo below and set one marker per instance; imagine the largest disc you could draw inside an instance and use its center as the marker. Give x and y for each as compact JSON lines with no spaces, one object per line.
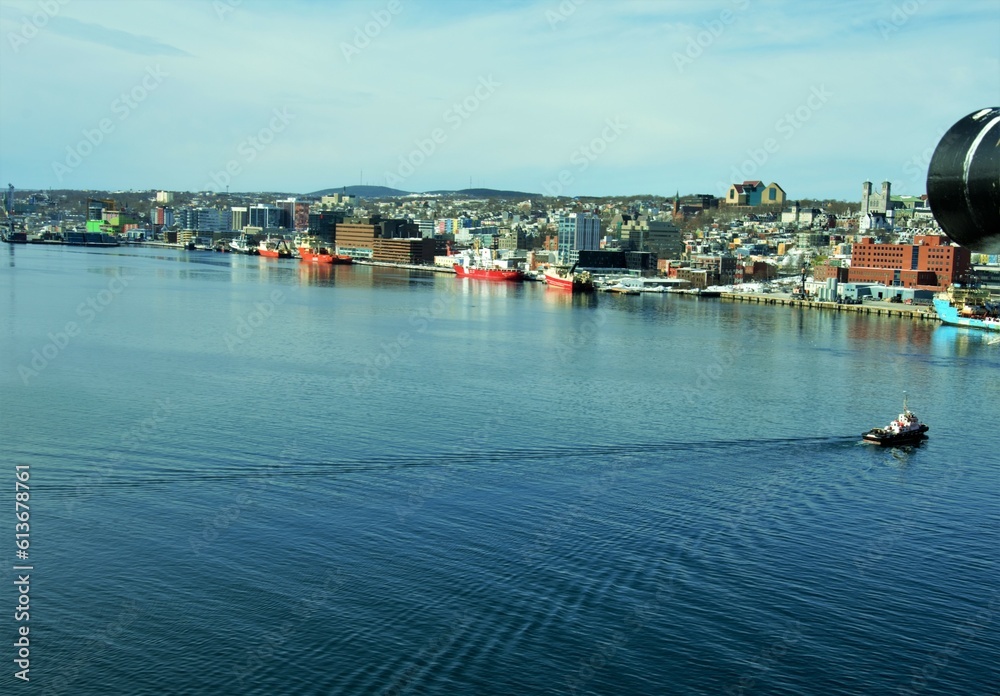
{"x":317,"y":257}
{"x":570,"y":282}
{"x":269,"y":253}
{"x":504,"y":274}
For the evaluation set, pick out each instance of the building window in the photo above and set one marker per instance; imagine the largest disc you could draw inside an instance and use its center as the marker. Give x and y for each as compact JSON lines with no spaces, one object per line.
{"x":771,"y":194}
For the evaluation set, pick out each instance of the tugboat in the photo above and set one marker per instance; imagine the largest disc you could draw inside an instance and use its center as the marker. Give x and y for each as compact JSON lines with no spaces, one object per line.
{"x":906,"y":429}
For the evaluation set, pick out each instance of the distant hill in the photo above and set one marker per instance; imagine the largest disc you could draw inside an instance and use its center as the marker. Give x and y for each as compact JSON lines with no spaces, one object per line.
{"x":386,"y":192}
{"x":486,"y":193}
{"x":361,"y":191}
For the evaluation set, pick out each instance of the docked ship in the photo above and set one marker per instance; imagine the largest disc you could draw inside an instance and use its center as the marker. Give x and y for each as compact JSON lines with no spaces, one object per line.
{"x":274,"y":249}
{"x":906,"y":429}
{"x":488,"y":273}
{"x":566,"y":278}
{"x":311,"y":251}
{"x":241,"y":245}
{"x":968,"y":306}
{"x":479,"y":264}
{"x":13,"y":237}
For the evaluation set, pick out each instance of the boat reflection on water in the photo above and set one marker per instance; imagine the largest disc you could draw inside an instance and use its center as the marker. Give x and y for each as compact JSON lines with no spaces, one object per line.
{"x":957,"y":341}
{"x":316,"y":273}
{"x":364,"y":276}
{"x":568,"y":299}
{"x":468,"y":287}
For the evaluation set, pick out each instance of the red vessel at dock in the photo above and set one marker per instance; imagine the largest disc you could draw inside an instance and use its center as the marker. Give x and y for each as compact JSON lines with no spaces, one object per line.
{"x":323,"y":256}
{"x":483,"y":273}
{"x":566,"y":279}
{"x":274,"y":249}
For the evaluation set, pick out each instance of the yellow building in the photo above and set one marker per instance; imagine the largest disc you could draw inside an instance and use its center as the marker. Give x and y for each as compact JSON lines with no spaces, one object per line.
{"x":755,"y":194}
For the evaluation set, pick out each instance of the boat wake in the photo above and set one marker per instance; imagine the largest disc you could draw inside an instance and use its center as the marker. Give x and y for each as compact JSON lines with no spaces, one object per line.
{"x":256,"y":467}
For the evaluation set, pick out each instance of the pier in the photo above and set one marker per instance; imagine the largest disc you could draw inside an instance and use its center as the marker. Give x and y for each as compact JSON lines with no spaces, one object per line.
{"x":410,"y":266}
{"x":874,"y":308}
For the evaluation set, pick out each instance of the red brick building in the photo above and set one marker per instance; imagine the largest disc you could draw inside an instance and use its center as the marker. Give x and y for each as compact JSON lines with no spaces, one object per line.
{"x":755,"y":272}
{"x":929,"y":263}
{"x":825,"y":271}
{"x":414,"y":251}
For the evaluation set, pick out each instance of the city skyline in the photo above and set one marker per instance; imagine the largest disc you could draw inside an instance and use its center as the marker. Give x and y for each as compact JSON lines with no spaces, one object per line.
{"x":559,"y":98}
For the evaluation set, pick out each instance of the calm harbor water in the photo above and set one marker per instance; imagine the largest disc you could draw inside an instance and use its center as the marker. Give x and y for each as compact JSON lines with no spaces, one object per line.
{"x":252,"y":476}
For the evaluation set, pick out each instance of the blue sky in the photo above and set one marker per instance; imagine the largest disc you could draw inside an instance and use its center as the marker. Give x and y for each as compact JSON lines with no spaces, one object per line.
{"x":578,"y":97}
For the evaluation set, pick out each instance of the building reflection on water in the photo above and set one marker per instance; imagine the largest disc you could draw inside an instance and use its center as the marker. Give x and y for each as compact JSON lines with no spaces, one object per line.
{"x":962,"y":342}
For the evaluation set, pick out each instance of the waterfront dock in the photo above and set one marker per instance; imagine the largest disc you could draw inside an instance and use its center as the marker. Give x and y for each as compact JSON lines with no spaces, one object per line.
{"x":886,"y":309}
{"x":410,"y":266}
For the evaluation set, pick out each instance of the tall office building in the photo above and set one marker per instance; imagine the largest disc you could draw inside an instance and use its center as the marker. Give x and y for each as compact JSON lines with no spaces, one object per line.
{"x":265,"y":215}
{"x":426,"y":227}
{"x":238,"y":217}
{"x":203,"y":219}
{"x":577,"y":231}
{"x":323,"y":224}
{"x":295,"y":215}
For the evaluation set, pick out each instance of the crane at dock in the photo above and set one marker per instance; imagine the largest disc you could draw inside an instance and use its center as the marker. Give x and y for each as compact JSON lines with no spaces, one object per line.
{"x":800,"y":291}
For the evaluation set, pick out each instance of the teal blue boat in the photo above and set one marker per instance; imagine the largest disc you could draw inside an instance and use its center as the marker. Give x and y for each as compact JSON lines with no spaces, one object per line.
{"x":969,"y":307}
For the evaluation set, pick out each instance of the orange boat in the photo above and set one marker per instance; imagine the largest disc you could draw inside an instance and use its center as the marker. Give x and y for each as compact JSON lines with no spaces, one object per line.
{"x":274,"y":249}
{"x":312,"y":252}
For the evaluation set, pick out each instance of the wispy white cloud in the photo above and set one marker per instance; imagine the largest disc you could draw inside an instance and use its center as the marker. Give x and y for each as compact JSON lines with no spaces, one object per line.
{"x":896,"y":83}
{"x":112,"y":38}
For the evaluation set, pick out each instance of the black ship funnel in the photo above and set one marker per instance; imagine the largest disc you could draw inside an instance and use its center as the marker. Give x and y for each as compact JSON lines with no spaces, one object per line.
{"x":963,"y":182}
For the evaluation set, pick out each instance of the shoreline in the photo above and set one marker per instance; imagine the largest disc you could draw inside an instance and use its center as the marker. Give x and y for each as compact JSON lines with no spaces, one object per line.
{"x":919,"y":313}
{"x":875,"y":308}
